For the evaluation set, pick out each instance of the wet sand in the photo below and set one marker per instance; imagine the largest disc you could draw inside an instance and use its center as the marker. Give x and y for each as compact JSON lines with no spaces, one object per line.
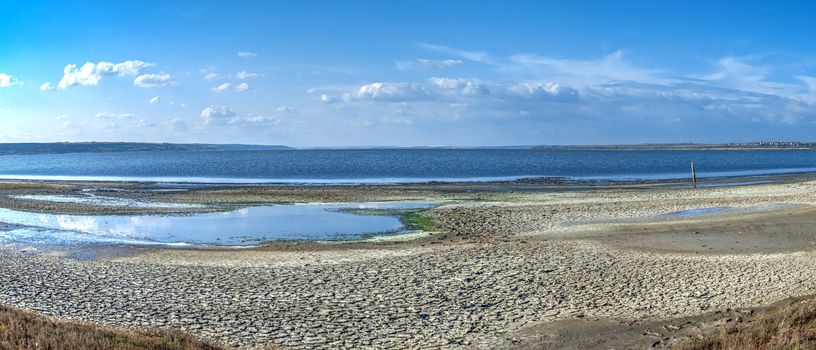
{"x":552,"y":269}
{"x":777,"y":231}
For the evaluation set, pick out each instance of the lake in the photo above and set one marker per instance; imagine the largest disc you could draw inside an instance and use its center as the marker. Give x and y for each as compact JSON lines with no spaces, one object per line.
{"x":399,"y":165}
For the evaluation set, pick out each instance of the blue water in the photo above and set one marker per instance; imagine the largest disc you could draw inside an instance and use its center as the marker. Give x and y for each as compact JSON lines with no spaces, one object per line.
{"x":389,"y":165}
{"x":247,"y":226}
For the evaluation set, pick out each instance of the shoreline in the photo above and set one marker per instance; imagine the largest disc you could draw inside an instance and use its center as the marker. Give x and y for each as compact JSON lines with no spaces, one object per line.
{"x":557,"y":181}
{"x":507,"y":263}
{"x":237,"y":195}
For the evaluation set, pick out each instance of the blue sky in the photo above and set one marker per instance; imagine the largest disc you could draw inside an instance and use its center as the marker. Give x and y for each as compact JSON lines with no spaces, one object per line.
{"x":352,"y":73}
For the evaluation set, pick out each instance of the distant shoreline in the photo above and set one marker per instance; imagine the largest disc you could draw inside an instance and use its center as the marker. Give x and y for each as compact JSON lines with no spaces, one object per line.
{"x":112,"y":147}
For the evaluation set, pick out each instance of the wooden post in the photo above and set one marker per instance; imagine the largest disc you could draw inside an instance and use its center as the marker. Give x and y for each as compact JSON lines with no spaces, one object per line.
{"x":693,"y":176}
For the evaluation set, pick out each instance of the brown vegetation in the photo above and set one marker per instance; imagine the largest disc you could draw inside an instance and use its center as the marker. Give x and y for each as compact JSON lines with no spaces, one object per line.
{"x":792,"y":326}
{"x":24,"y":330}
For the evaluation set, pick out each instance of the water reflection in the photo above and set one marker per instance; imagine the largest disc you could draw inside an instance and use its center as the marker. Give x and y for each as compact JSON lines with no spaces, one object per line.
{"x":244,"y":226}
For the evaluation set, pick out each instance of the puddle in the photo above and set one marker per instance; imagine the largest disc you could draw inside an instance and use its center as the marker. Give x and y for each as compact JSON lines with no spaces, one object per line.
{"x":247,"y":226}
{"x":699,"y":212}
{"x":722,"y":184}
{"x":732,"y":210}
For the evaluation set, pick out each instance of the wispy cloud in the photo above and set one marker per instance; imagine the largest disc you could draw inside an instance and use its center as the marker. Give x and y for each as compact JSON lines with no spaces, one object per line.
{"x":242,"y":75}
{"x":247,"y":54}
{"x":109,"y":115}
{"x":423,"y":63}
{"x":612,"y":67}
{"x":740,"y":73}
{"x":476,"y":56}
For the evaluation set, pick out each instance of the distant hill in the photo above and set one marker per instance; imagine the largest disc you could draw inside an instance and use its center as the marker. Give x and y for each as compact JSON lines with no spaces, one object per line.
{"x":98,"y":147}
{"x":687,"y":146}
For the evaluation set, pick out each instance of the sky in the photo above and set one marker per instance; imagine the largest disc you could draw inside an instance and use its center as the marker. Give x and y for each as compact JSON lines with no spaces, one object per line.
{"x":407,"y":73}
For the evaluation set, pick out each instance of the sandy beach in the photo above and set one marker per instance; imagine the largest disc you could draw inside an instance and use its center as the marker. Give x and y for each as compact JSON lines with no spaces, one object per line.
{"x":610,"y":267}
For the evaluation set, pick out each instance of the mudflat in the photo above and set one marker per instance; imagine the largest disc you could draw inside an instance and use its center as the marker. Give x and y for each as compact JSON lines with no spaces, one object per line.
{"x":607,"y":267}
{"x":777,"y":231}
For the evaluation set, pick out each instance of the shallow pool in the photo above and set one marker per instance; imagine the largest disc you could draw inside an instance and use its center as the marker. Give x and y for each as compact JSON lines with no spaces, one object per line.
{"x":699,"y":212}
{"x":246,"y":226}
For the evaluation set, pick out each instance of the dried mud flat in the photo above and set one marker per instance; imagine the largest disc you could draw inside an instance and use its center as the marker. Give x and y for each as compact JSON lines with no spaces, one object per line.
{"x":516,"y":270}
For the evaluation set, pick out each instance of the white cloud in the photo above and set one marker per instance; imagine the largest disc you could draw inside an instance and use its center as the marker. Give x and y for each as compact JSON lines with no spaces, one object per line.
{"x":130,"y":68}
{"x":247,"y":54}
{"x":327,"y":98}
{"x":246,"y":75}
{"x":603,"y":95}
{"x":210,"y":75}
{"x":460,"y":86}
{"x":221,"y":88}
{"x":242,"y":87}
{"x":91,"y":73}
{"x":387,"y":91}
{"x":7,"y":80}
{"x":227,"y":86}
{"x":455,"y":89}
{"x":154,"y":80}
{"x":46,"y":86}
{"x":214,"y":113}
{"x":255,"y":119}
{"x":627,"y":100}
{"x":542,"y":90}
{"x":154,"y":100}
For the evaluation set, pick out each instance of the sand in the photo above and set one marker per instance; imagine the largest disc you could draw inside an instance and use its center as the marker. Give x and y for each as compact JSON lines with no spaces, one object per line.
{"x":516,"y":269}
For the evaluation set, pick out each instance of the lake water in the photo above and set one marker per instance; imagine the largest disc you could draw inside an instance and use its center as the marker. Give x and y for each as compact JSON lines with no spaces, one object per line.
{"x":247,"y":226}
{"x":399,"y":165}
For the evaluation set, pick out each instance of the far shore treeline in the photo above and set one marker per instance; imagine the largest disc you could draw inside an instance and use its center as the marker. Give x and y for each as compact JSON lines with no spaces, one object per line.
{"x":99,"y":147}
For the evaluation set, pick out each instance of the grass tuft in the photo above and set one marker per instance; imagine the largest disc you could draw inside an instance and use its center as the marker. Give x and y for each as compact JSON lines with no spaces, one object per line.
{"x":419,"y":221}
{"x":788,"y":327}
{"x":25,"y":330}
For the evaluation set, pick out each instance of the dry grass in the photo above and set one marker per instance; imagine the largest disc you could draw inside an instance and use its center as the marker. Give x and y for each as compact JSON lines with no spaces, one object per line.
{"x":791,"y":326}
{"x":25,"y":330}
